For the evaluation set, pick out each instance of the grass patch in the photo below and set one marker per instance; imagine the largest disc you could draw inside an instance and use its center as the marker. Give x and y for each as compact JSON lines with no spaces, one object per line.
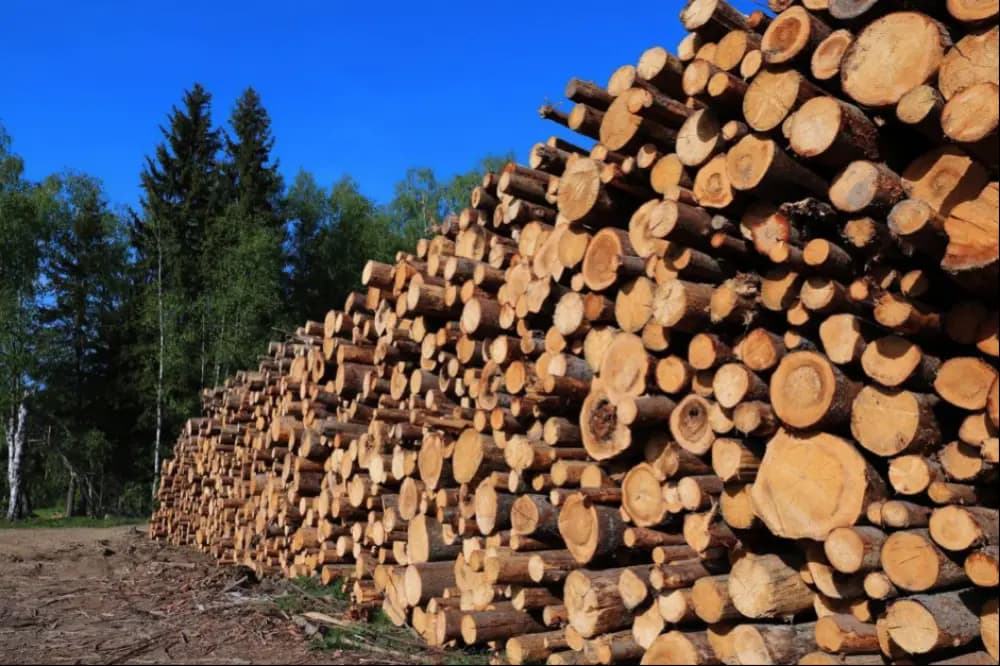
{"x":55,"y":518}
{"x":308,"y":593}
{"x":467,"y":658}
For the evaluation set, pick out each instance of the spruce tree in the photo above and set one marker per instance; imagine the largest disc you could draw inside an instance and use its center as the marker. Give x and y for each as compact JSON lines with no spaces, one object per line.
{"x":182,"y":197}
{"x":251,"y":173}
{"x":245,"y":255}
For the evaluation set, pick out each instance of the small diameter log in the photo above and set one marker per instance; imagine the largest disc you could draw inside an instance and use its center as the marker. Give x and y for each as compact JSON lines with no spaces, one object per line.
{"x":610,"y":257}
{"x":710,"y":598}
{"x":866,"y":186}
{"x":642,"y":496}
{"x":660,"y":69}
{"x":891,"y":56}
{"x":713,"y":18}
{"x":809,"y":485}
{"x":773,"y":643}
{"x":760,"y":165}
{"x":483,"y":626}
{"x":531,"y":648}
{"x":764,"y":586}
{"x":807,"y":391}
{"x":678,"y":647}
{"x":913,"y":426}
{"x":958,"y":528}
{"x":735,"y":383}
{"x":965,"y":382}
{"x":734,"y":460}
{"x":593,"y":603}
{"x":682,"y":305}
{"x":794,"y":32}
{"x":845,"y":634}
{"x":925,"y":623}
{"x":915,"y":564}
{"x":983,"y":567}
{"x":534,"y":515}
{"x":852,"y":550}
{"x":894,"y":361}
{"x":690,"y":425}
{"x":833,"y":132}
{"x":827,"y":58}
{"x":756,"y":418}
{"x":773,"y":94}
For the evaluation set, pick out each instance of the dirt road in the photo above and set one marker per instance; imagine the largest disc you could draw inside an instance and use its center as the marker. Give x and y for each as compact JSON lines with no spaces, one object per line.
{"x":112,"y":596}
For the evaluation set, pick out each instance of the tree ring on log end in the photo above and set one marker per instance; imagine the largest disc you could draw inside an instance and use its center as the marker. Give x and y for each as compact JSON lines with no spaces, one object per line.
{"x":807,"y":486}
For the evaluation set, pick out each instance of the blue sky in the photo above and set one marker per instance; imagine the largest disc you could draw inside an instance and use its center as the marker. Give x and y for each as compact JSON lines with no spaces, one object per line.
{"x":365,"y":88}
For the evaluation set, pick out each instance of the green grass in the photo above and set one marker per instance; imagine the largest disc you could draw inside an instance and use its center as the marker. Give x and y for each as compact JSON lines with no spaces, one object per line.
{"x":372,"y":632}
{"x":55,"y":518}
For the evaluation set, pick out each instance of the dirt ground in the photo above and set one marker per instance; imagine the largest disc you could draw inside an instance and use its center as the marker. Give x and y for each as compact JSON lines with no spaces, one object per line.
{"x":111,"y":596}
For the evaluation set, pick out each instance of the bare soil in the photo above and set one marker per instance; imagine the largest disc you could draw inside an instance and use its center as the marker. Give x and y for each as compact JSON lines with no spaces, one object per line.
{"x":111,"y":596}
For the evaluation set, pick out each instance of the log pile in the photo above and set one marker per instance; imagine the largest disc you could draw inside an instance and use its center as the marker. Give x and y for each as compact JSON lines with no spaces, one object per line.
{"x":721,"y":388}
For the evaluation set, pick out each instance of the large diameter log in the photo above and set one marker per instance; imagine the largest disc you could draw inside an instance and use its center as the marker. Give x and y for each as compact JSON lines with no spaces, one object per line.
{"x":590,"y":530}
{"x":922,"y":624}
{"x":915,"y":564}
{"x":807,"y":392}
{"x":891,"y":56}
{"x":765,"y":586}
{"x":809,"y":485}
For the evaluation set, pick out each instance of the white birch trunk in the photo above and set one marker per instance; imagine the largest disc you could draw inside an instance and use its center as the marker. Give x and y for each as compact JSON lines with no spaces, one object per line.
{"x":159,"y":374}
{"x":17,"y":440}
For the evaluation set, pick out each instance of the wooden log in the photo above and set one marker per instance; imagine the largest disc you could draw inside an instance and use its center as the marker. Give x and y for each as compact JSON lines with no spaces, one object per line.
{"x":913,"y":563}
{"x":925,"y":623}
{"x":891,"y":56}
{"x":808,"y":392}
{"x":763,"y":586}
{"x":773,"y":644}
{"x":818,"y":500}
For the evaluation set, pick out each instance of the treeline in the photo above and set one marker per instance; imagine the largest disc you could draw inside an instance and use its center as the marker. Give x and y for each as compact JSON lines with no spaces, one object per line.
{"x":112,"y":320}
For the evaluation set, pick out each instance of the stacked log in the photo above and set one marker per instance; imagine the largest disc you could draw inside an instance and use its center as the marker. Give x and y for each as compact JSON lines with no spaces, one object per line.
{"x":721,"y":388}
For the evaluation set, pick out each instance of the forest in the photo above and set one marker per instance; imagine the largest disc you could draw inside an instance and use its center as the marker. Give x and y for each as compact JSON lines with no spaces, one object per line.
{"x":113,"y":317}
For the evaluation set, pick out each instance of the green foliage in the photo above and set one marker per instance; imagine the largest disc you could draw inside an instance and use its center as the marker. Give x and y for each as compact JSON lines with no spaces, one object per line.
{"x":56,"y":518}
{"x":220,"y":258}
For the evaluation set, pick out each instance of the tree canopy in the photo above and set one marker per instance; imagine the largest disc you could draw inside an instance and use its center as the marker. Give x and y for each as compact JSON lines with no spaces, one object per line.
{"x":112,"y":320}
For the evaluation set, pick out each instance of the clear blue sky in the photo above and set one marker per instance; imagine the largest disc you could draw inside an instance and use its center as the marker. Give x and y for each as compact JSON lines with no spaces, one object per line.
{"x":365,"y":88}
